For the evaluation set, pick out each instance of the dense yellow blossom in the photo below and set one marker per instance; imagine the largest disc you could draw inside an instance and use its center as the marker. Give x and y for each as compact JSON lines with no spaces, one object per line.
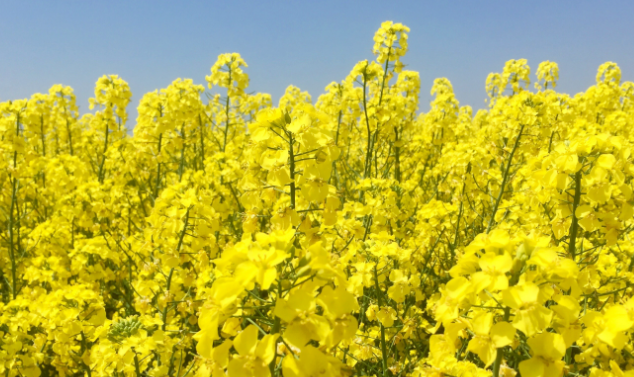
{"x":352,"y":236}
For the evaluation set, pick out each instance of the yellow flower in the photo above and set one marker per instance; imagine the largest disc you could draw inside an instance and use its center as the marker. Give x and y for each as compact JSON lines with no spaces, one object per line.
{"x":489,"y":337}
{"x":254,"y":355}
{"x":311,"y":363}
{"x":455,"y":291}
{"x":386,"y":315}
{"x":617,"y":321}
{"x":493,"y":275}
{"x":260,"y":267}
{"x":337,"y":302}
{"x":400,"y":287}
{"x":530,"y":316}
{"x":547,"y":350}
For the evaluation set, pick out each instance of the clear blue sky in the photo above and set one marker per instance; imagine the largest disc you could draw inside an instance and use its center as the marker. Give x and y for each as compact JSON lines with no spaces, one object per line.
{"x":305,"y":43}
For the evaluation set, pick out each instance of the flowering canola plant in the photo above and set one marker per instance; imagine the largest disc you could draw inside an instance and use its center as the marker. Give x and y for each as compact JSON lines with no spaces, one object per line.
{"x":353,"y":236}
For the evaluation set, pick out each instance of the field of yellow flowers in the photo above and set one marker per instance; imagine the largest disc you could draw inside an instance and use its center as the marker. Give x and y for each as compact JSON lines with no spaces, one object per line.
{"x":353,"y":237}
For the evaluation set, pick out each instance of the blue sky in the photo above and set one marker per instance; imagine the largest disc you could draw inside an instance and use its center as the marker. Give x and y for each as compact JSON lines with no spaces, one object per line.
{"x":305,"y":43}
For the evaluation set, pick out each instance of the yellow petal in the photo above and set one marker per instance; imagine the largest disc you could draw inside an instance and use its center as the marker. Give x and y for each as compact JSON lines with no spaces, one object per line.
{"x":532,"y":320}
{"x":267,"y":278}
{"x":338,"y":301}
{"x":238,"y":368}
{"x":606,"y":161}
{"x":206,"y":341}
{"x":548,"y":345}
{"x":499,"y":238}
{"x":502,"y":334}
{"x":290,"y":367}
{"x":532,"y":368}
{"x":246,"y":341}
{"x":554,"y":369}
{"x":520,"y":295}
{"x":31,"y":371}
{"x":482,"y":324}
{"x":284,"y":310}
{"x":299,"y":123}
{"x":297,"y":334}
{"x":265,"y":349}
{"x":484,"y":349}
{"x":617,"y":319}
{"x":220,"y":354}
{"x":568,"y":308}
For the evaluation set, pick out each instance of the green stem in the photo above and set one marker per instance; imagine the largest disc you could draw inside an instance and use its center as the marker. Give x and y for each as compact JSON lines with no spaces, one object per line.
{"x":368,"y":155}
{"x":574,"y":227}
{"x":14,"y":193}
{"x":169,"y":282}
{"x":550,"y":141}
{"x":136,"y":365}
{"x":455,"y":238}
{"x":397,"y":157}
{"x":83,"y":349}
{"x":387,"y":60}
{"x":498,"y":358}
{"x":43,"y":138}
{"x":504,"y":180}
{"x":158,"y":168}
{"x":103,"y":160}
{"x":169,"y":277}
{"x":383,"y":344}
{"x":334,"y":163}
{"x":291,"y":157}
{"x":338,"y":126}
{"x":70,"y":137}
{"x":11,"y":245}
{"x":182,"y":161}
{"x":182,"y":235}
{"x":202,"y":143}
{"x":224,"y":143}
{"x":277,"y":324}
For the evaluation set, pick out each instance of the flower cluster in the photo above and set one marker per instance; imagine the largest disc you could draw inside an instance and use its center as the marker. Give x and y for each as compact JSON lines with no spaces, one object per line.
{"x":350,"y":236}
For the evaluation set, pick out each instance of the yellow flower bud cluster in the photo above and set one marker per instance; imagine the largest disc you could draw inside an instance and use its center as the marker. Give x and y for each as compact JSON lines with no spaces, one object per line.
{"x":227,"y":73}
{"x":390,"y":43}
